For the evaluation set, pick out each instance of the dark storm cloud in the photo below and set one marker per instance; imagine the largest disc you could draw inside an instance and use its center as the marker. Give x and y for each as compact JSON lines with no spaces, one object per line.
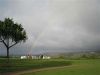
{"x":55,"y":25}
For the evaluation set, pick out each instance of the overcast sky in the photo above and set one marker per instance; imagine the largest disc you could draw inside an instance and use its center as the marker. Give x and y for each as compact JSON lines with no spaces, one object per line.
{"x":54,"y":25}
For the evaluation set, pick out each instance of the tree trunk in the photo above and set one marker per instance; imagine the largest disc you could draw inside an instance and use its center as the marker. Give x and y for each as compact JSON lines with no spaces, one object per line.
{"x":8,"y":53}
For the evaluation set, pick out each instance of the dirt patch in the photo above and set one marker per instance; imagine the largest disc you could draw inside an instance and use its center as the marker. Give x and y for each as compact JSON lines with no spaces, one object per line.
{"x":35,"y":70}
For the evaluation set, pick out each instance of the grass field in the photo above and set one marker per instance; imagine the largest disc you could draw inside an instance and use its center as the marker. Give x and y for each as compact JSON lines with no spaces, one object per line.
{"x":76,"y":67}
{"x":79,"y":67}
{"x":27,"y":64}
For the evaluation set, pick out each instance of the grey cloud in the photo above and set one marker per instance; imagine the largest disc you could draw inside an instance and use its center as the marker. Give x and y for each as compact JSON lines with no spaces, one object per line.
{"x":56,"y":25}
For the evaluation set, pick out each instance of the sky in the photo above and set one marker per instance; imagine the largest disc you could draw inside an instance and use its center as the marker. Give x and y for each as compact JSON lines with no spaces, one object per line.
{"x":54,"y":25}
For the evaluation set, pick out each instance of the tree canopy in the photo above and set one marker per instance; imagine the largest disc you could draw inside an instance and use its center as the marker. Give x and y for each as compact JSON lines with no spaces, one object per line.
{"x":11,"y":33}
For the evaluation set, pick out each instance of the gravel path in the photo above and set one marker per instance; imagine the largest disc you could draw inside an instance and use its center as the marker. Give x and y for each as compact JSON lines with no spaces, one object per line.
{"x":35,"y":70}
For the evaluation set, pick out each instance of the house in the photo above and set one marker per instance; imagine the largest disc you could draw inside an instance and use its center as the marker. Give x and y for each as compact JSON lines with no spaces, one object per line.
{"x":46,"y":57}
{"x":35,"y":57}
{"x":23,"y":57}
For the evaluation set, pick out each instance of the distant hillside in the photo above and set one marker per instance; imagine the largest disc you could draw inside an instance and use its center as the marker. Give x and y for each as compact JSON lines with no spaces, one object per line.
{"x":81,"y":54}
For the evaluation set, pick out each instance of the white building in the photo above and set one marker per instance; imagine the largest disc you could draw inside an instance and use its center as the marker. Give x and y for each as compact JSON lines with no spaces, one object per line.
{"x":35,"y":57}
{"x":46,"y":57}
{"x":23,"y":57}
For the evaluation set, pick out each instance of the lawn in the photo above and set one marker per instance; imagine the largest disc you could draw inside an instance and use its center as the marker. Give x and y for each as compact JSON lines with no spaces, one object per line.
{"x":79,"y":67}
{"x":27,"y":64}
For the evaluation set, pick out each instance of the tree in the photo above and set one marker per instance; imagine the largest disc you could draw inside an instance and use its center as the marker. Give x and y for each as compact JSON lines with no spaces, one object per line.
{"x":11,"y":33}
{"x":41,"y":56}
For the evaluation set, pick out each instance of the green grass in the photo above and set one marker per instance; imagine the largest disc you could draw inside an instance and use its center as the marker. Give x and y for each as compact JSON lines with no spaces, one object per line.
{"x":79,"y":67}
{"x":20,"y":65}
